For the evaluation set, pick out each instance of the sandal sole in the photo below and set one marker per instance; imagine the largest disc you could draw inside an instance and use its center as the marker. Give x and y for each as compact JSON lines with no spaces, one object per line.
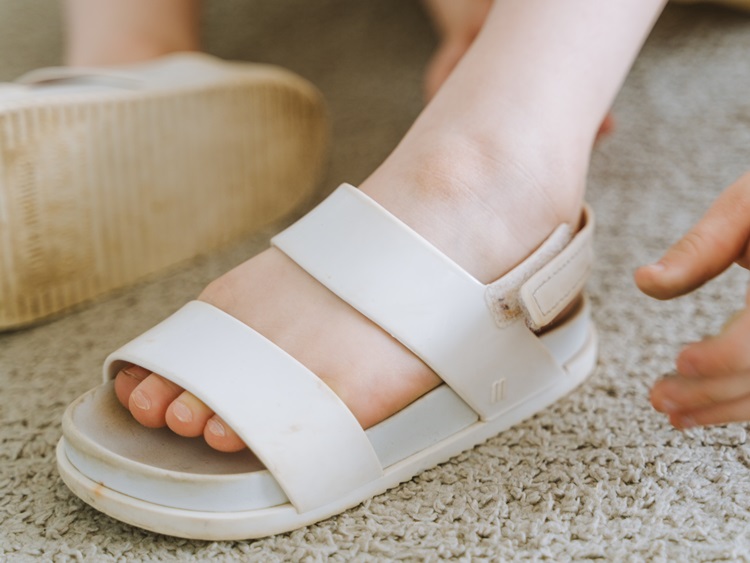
{"x":264,"y":522}
{"x":101,"y":191}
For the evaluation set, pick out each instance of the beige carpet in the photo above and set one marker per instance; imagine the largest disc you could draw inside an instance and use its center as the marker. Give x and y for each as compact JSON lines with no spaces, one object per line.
{"x":598,"y":476}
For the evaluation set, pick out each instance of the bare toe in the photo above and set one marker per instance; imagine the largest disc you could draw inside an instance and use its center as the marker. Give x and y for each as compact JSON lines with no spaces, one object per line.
{"x":127,"y":380}
{"x":187,"y":415}
{"x":219,"y":436}
{"x":149,"y":401}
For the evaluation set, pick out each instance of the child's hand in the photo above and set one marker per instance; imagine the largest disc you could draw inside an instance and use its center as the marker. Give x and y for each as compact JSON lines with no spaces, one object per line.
{"x":712,"y":384}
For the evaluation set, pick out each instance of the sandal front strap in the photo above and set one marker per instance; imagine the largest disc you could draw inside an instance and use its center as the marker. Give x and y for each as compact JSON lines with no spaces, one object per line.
{"x":293,"y":422}
{"x":396,"y":278}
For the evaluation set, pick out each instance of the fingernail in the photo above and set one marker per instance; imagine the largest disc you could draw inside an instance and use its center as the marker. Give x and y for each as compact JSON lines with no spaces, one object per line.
{"x":687,"y":422}
{"x":215,"y":427}
{"x":657,"y":266}
{"x":182,"y":412}
{"x":668,"y":406}
{"x":140,"y":400}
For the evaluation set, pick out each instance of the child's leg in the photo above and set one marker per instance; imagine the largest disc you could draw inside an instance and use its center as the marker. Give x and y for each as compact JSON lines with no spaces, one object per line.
{"x":457,"y":23}
{"x":495,"y":162}
{"x":111,"y":32}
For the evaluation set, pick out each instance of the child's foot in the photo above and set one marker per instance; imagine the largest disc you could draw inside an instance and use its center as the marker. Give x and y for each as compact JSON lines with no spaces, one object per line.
{"x":496,"y":161}
{"x":464,"y":201}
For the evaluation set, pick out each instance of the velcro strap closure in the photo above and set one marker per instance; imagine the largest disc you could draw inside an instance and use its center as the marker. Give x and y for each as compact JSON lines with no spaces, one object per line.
{"x":555,"y":285}
{"x":502,"y":295}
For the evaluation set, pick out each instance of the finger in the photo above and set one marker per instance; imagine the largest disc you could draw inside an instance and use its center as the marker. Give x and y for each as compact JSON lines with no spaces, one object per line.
{"x":679,"y":394}
{"x":719,"y":356}
{"x":710,"y":247}
{"x":722,"y":413}
{"x":607,"y":126}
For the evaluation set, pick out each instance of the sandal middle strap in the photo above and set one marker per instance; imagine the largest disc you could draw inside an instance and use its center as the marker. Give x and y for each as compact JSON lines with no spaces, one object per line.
{"x":378,"y":265}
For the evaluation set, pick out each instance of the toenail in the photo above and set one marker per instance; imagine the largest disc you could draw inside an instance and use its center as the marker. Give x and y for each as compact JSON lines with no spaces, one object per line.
{"x":182,"y":412}
{"x":134,"y":375}
{"x":657,"y":267}
{"x":216,"y":428}
{"x":140,"y":400}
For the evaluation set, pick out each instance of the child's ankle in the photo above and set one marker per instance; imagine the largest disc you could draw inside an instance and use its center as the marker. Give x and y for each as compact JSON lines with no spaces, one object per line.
{"x":484,"y":207}
{"x":493,"y":168}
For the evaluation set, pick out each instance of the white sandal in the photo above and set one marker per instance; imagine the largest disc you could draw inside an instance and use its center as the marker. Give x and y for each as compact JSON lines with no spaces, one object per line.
{"x":313,"y":459}
{"x":108,"y":175}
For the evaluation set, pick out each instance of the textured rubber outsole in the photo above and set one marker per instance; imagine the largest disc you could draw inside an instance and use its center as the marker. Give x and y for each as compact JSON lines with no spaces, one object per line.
{"x":101,"y":190}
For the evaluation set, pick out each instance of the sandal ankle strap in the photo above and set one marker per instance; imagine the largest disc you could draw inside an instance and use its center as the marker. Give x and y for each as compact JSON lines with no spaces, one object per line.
{"x":548,"y":281}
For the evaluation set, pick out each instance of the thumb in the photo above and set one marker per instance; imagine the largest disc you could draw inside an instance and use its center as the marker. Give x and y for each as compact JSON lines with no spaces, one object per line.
{"x":710,"y":247}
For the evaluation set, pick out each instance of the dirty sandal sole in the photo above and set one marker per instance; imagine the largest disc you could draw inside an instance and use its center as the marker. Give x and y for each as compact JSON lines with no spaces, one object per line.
{"x":100,"y":188}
